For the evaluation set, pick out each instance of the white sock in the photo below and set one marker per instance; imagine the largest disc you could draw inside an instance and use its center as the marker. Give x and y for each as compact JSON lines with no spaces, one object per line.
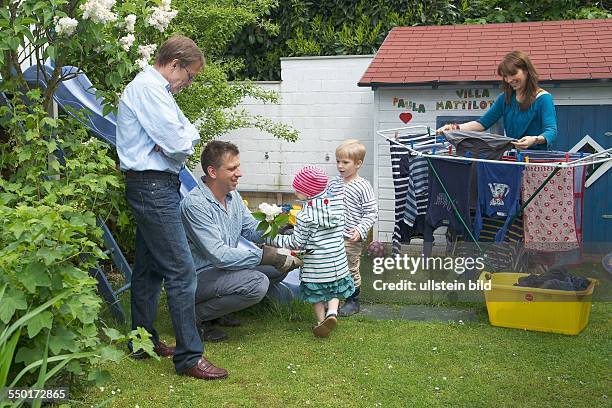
{"x":331,"y":312}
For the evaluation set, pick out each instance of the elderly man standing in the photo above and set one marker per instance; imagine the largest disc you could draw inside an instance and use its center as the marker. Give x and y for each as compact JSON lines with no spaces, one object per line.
{"x":230,"y":278}
{"x":154,"y":138}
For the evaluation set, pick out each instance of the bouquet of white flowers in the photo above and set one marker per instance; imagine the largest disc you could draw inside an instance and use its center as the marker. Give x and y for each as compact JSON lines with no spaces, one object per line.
{"x":271,"y":218}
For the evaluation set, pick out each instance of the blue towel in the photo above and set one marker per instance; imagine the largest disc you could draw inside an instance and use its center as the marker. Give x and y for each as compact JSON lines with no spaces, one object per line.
{"x":499,"y":191}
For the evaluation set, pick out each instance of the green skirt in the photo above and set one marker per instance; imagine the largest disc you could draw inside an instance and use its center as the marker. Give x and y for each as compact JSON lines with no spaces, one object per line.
{"x":312,"y":292}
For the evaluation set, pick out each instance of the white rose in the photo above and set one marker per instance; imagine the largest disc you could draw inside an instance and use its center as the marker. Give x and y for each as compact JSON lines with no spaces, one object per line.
{"x":271,"y":211}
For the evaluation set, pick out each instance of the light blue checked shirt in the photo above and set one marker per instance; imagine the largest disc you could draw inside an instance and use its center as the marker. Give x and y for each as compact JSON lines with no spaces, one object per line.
{"x":213,"y":230}
{"x":149,"y":116}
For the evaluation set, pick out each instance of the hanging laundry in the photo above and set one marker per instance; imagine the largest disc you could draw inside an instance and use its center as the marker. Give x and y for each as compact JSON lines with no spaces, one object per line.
{"x":549,"y":218}
{"x":480,"y":144}
{"x":570,"y":257}
{"x":499,"y":192}
{"x":408,"y":233}
{"x":400,"y":172}
{"x":400,"y":185}
{"x":456,"y":178}
{"x":579,"y":181}
{"x":417,"y":194}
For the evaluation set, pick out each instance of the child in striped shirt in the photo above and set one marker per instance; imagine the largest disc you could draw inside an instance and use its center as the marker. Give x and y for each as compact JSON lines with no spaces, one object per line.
{"x":325,"y":277}
{"x":360,"y":210}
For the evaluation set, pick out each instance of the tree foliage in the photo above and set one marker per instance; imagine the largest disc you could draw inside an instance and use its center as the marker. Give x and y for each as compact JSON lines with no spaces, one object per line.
{"x":345,"y":27}
{"x":56,"y":179}
{"x":212,"y":101}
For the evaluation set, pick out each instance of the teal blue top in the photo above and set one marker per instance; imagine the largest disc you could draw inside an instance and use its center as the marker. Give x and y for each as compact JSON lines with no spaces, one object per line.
{"x":540,"y":119}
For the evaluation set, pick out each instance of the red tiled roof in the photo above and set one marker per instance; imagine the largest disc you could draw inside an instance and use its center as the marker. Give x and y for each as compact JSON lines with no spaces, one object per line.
{"x":560,"y":50}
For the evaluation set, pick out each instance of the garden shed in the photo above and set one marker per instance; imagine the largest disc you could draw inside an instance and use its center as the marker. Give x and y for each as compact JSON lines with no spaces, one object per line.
{"x":432,"y":75}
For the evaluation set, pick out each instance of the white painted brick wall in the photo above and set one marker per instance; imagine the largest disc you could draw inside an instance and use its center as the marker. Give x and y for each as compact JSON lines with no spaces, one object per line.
{"x":320,"y":98}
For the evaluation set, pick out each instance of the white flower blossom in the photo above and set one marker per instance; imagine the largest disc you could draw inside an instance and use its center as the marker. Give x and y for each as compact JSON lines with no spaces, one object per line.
{"x":127,"y":41}
{"x":65,"y":26}
{"x":145,"y":52}
{"x":142,"y":63}
{"x":130,"y":22}
{"x":161,"y":16}
{"x":99,"y":11}
{"x":271,"y":211}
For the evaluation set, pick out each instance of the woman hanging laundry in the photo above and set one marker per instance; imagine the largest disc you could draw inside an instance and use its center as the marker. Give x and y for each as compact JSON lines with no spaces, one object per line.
{"x":527,"y":110}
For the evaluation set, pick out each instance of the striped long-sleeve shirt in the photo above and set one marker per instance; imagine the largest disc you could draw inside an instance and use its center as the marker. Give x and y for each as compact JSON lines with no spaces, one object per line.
{"x":360,"y":207}
{"x":318,"y":230}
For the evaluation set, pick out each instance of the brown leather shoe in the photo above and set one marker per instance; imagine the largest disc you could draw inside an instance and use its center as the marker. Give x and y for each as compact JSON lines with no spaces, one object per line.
{"x":163,"y":350}
{"x":204,"y":370}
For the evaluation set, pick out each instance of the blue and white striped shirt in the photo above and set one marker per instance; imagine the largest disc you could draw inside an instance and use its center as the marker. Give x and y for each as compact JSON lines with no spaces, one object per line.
{"x":360,"y":207}
{"x":318,"y":230}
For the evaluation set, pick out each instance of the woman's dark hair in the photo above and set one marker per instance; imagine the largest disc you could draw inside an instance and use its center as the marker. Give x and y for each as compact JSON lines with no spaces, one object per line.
{"x":510,"y":65}
{"x":214,"y":153}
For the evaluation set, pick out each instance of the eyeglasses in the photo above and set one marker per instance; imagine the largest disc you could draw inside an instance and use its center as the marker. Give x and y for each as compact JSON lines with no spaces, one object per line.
{"x":190,"y":75}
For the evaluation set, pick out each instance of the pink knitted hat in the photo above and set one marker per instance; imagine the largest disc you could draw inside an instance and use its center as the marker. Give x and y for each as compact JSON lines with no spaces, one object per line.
{"x":310,"y":181}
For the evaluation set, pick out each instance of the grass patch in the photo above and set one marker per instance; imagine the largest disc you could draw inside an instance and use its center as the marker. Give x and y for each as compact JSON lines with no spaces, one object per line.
{"x":275,"y":361}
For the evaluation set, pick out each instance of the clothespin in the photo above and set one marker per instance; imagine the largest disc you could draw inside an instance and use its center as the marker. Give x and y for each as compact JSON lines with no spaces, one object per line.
{"x":450,"y":150}
{"x":468,"y":154}
{"x":566,"y":157}
{"x":520,"y":157}
{"x":526,"y":159}
{"x":412,"y":144}
{"x":433,"y":150}
{"x":581,"y":155}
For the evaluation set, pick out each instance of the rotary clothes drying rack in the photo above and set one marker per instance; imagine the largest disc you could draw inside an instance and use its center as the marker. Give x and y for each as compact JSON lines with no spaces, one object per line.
{"x":421,"y":141}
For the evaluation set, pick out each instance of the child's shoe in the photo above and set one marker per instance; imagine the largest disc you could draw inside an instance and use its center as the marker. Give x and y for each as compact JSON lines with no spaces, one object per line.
{"x":326,"y":326}
{"x":349,"y":308}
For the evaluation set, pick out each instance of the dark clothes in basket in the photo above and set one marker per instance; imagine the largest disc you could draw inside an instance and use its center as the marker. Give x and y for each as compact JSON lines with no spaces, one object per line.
{"x":555,"y":278}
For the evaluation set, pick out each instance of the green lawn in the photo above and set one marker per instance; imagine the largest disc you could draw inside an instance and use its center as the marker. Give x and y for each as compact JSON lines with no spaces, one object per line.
{"x":275,"y":361}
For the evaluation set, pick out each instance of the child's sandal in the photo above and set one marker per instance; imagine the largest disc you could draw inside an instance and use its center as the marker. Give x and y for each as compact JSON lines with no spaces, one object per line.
{"x":324,"y":328}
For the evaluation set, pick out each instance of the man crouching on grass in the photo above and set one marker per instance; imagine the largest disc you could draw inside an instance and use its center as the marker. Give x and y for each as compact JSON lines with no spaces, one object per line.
{"x":230,"y":278}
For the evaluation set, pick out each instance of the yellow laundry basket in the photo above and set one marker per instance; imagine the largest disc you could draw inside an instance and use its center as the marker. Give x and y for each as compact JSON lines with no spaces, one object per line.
{"x":545,"y":310}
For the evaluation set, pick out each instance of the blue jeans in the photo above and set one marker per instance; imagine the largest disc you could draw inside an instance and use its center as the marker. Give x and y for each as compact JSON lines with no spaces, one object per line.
{"x":162,"y":253}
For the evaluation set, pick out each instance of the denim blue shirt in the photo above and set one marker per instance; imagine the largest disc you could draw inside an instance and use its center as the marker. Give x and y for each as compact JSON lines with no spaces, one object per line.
{"x":148,"y":116}
{"x":540,"y":119}
{"x":213,"y":230}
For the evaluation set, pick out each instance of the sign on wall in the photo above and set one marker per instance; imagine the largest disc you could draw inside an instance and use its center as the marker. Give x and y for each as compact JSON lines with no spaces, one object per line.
{"x":472,"y":99}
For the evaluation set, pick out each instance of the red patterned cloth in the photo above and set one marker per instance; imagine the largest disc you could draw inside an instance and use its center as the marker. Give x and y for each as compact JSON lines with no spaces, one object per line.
{"x":549,"y":221}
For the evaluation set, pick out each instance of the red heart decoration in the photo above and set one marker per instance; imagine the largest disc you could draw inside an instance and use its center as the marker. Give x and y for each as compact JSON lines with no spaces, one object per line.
{"x":405,"y":117}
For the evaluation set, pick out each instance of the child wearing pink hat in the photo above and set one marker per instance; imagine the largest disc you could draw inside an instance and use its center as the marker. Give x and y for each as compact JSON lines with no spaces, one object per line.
{"x":325,"y":277}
